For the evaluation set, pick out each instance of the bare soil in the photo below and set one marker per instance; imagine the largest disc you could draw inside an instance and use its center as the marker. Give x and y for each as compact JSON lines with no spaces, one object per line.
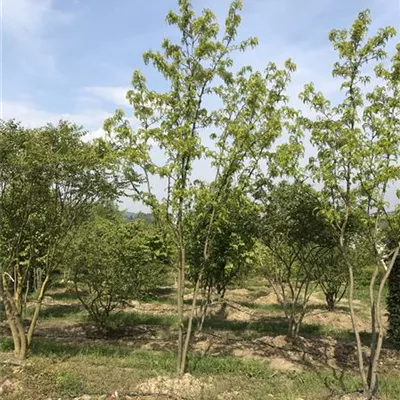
{"x":235,"y":330}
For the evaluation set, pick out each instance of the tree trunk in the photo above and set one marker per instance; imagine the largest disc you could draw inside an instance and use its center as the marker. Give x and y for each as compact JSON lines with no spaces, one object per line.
{"x":189,"y":327}
{"x":16,"y":326}
{"x":292,"y":328}
{"x":330,"y":300}
{"x":35,"y":317}
{"x":181,"y":327}
{"x":355,"y":327}
{"x":376,"y":346}
{"x":12,"y":325}
{"x":205,"y":308}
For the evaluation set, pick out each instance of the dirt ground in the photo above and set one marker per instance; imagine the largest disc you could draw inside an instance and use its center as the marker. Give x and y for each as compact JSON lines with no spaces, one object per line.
{"x":248,"y":325}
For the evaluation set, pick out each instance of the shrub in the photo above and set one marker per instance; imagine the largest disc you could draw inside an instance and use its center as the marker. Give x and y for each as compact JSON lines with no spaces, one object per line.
{"x":112,"y":261}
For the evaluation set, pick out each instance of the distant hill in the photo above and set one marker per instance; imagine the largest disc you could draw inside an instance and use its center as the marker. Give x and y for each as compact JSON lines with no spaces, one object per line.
{"x":129,"y":216}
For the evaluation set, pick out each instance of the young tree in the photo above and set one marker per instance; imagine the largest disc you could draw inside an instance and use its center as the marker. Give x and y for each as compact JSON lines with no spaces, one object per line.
{"x":358,"y":158}
{"x":294,"y":239}
{"x":332,"y":276}
{"x":231,"y":237}
{"x":48,"y":179}
{"x":195,"y":68}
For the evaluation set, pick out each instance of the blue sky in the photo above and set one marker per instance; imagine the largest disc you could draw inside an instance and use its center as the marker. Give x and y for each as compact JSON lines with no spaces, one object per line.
{"x":74,"y":58}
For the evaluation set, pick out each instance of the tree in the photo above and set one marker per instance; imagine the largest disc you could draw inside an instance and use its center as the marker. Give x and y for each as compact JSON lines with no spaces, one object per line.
{"x":293,"y":239}
{"x":49,"y":177}
{"x":332,"y":276}
{"x":251,"y":117}
{"x":357,"y":143}
{"x":112,"y":261}
{"x":331,"y":270}
{"x":231,"y":245}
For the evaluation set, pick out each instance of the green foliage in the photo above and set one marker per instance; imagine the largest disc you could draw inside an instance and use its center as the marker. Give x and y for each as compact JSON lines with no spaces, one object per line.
{"x":293,"y":229}
{"x":294,"y":239}
{"x":230,"y":254}
{"x":356,"y":140}
{"x":198,"y":67}
{"x":291,"y":211}
{"x":393,"y":297}
{"x":393,"y":304}
{"x":112,"y":261}
{"x":332,"y":275}
{"x":49,"y":178}
{"x":358,"y":158}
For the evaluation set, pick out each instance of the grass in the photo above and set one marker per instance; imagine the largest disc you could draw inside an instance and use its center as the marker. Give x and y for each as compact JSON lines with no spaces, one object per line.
{"x":66,"y":370}
{"x":266,"y":307}
{"x":271,"y":325}
{"x":69,"y":383}
{"x":64,"y":311}
{"x":361,"y":293}
{"x":275,"y":326}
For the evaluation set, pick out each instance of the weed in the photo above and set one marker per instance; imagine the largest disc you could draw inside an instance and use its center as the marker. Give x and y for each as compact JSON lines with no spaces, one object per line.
{"x":69,"y":383}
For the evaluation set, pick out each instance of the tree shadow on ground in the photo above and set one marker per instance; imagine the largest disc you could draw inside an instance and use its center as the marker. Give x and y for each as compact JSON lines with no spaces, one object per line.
{"x":160,"y":293}
{"x":60,"y":310}
{"x":271,"y":325}
{"x":67,"y":295}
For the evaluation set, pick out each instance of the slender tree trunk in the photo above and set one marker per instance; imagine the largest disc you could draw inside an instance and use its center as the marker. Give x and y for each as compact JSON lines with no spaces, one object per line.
{"x":376,"y":351}
{"x":26,"y":294}
{"x":12,"y":325}
{"x":296,"y":329}
{"x":22,"y":338}
{"x":291,"y":327}
{"x":189,"y":327}
{"x":373,"y":320}
{"x":181,"y":327}
{"x":355,"y":327}
{"x":205,"y":308}
{"x":18,"y":292}
{"x":35,"y":317}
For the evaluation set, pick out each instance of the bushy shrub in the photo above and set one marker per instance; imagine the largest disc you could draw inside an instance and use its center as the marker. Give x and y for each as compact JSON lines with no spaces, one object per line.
{"x":393,"y":304}
{"x":112,"y":261}
{"x":393,"y":298}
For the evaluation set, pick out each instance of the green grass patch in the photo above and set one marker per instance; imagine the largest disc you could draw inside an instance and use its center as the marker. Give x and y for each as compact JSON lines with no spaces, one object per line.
{"x":69,"y":383}
{"x":71,"y":369}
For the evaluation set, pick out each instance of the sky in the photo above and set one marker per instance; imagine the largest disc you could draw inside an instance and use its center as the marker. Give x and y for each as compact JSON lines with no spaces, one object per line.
{"x":73,"y":59}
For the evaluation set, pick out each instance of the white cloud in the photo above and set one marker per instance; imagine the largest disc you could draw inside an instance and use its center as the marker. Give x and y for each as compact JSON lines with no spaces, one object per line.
{"x":95,"y":134}
{"x":113,"y":94}
{"x":27,"y":18}
{"x":27,"y":22}
{"x":29,"y":116}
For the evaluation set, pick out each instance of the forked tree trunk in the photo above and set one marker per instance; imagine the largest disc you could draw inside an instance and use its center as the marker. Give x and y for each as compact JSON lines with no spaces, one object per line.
{"x":370,"y":380}
{"x":330,"y":300}
{"x":21,"y":338}
{"x":35,"y":317}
